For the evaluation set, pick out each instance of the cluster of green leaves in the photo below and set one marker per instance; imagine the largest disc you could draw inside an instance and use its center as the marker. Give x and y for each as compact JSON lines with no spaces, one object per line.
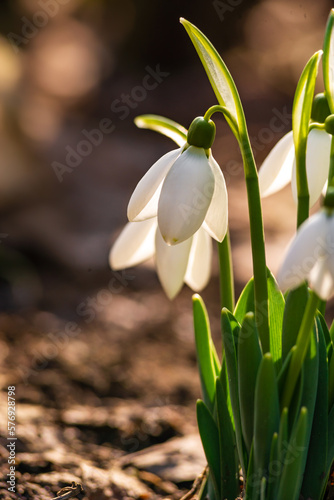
{"x":282,"y":451}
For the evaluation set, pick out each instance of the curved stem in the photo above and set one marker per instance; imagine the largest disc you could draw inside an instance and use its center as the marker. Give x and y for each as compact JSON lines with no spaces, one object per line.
{"x":302,"y":343}
{"x":226,"y":274}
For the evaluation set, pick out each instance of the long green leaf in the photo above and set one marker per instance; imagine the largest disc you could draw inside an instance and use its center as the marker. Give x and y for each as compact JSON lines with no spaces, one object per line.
{"x":295,"y":305}
{"x":330,"y":454}
{"x":276,"y":310}
{"x":230,"y":329}
{"x":203,"y":342}
{"x":302,"y":104}
{"x":316,"y":465}
{"x":249,"y":359}
{"x":292,"y":473}
{"x":218,"y":74}
{"x":229,"y":467}
{"x":266,"y":412}
{"x":210,"y":440}
{"x":272,"y":479}
{"x":328,"y":61}
{"x":245,"y":303}
{"x":164,"y":126}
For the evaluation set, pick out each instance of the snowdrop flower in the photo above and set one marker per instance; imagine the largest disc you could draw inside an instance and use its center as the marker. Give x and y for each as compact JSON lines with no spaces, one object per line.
{"x":279,"y":168}
{"x":310,"y":256}
{"x":184,"y":189}
{"x":188,"y":262}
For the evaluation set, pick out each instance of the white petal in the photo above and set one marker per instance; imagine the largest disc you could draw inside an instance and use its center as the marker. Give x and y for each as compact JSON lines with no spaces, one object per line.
{"x":171,"y":264}
{"x":144,"y":200}
{"x":135,"y":244}
{"x":317,"y":164}
{"x":321,"y":279}
{"x":275,"y":172}
{"x":217,"y":215}
{"x":306,"y":248}
{"x":185,"y":196}
{"x":199,"y":264}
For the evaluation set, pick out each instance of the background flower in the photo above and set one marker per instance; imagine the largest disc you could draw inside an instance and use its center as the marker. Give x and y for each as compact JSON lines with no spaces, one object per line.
{"x":188,"y":262}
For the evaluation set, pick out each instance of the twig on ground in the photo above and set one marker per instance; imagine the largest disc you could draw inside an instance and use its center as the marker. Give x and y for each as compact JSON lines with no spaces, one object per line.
{"x":69,"y":491}
{"x":197,"y":484}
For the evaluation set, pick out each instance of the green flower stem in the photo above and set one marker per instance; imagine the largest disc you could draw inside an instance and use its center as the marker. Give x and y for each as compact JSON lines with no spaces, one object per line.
{"x":256,"y":224}
{"x":302,"y":187}
{"x":257,"y":242}
{"x":302,"y":344}
{"x":226,"y":274}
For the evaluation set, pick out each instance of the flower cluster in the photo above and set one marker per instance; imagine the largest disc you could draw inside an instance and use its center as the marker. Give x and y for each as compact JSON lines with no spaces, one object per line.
{"x":174,"y":210}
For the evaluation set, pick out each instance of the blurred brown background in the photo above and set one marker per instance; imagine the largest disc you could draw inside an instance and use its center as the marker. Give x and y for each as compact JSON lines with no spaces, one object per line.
{"x":68,"y":66}
{"x":74,"y":336}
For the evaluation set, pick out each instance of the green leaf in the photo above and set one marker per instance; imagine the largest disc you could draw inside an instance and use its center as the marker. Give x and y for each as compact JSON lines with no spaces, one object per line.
{"x":328,"y":61}
{"x":203,"y":342}
{"x":218,"y":74}
{"x":302,"y":104}
{"x":249,"y":359}
{"x":266,"y":412}
{"x":316,"y":465}
{"x":276,"y":310}
{"x":215,"y":359}
{"x":230,"y":329}
{"x":245,"y":303}
{"x":292,"y":473}
{"x":229,"y":472}
{"x":164,"y":126}
{"x":295,"y":305}
{"x":330,"y":454}
{"x":253,"y":480}
{"x":210,"y":440}
{"x":272,"y":479}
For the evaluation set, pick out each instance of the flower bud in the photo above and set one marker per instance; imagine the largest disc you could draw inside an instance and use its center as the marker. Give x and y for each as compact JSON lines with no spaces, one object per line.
{"x":320,"y":109}
{"x":201,"y":133}
{"x":329,"y":125}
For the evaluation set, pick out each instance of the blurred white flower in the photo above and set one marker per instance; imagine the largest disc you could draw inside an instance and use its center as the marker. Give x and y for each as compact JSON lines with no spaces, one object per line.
{"x":188,"y":262}
{"x":279,"y":168}
{"x":310,"y":256}
{"x":185,"y":189}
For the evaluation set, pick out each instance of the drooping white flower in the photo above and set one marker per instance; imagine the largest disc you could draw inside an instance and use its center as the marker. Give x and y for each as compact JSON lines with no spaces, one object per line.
{"x":310,"y":256}
{"x":279,"y":168}
{"x":185,"y":189}
{"x":188,"y":262}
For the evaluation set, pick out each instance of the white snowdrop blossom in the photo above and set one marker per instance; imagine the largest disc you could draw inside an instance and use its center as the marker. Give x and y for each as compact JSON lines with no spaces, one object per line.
{"x":279,"y":168}
{"x":185,"y":189}
{"x":310,"y":256}
{"x":188,"y":262}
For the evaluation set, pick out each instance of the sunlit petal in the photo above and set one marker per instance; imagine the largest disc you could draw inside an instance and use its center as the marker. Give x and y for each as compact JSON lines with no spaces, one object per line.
{"x":317,"y":164}
{"x":135,"y":244}
{"x":216,"y":218}
{"x":185,"y":196}
{"x":321,"y":279}
{"x":144,"y":200}
{"x":171,"y":264}
{"x":306,"y":248}
{"x":275,"y":172}
{"x":199,"y":264}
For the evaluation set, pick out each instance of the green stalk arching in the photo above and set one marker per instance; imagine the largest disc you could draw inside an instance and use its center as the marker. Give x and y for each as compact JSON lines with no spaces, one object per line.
{"x":256,"y":225}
